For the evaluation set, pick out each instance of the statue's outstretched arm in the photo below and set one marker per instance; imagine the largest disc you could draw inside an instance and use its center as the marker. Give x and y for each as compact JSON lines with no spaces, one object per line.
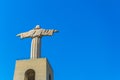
{"x":26,"y":34}
{"x":21,"y":35}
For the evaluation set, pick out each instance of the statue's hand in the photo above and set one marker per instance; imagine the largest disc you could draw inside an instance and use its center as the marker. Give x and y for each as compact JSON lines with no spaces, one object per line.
{"x":18,"y":35}
{"x":56,"y":31}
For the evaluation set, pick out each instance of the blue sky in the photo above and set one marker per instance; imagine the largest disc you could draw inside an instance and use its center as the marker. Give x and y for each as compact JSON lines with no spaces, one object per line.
{"x":86,"y":48}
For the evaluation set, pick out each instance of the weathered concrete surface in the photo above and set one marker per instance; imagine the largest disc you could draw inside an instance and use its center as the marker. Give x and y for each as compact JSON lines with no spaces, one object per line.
{"x":41,"y":66}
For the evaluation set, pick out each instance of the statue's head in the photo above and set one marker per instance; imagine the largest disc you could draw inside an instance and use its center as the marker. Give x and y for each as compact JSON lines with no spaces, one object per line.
{"x":37,"y":27}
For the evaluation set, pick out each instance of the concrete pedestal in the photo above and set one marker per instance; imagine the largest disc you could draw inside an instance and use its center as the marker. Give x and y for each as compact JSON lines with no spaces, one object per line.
{"x":34,"y":69}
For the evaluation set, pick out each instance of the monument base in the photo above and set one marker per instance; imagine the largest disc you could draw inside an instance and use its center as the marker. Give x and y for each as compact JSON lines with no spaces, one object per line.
{"x":34,"y":69}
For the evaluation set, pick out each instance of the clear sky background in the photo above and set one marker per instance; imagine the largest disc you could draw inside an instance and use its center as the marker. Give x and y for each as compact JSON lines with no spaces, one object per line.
{"x":86,"y":48}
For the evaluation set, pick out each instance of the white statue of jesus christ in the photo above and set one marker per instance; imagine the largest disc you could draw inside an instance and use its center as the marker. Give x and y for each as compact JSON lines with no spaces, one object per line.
{"x":36,"y":35}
